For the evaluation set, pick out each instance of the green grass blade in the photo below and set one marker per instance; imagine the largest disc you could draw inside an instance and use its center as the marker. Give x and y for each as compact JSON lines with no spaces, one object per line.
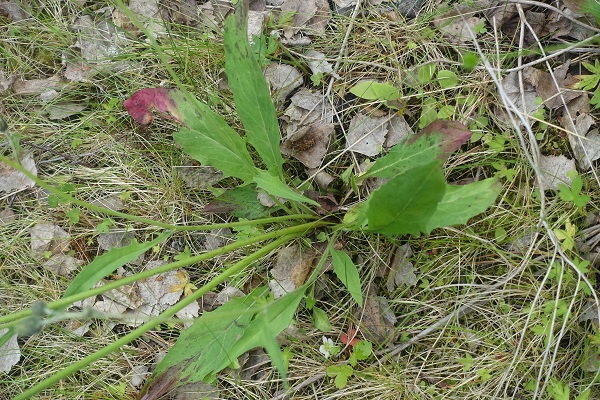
{"x":107,"y":263}
{"x":250,"y":92}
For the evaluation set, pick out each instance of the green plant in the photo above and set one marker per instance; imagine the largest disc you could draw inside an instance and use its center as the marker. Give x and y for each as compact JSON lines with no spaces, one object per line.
{"x":415,"y":199}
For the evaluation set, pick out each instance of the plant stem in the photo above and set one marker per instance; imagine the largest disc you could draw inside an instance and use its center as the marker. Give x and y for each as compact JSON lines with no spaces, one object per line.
{"x":164,"y":317}
{"x":107,"y":211}
{"x":59,"y":304}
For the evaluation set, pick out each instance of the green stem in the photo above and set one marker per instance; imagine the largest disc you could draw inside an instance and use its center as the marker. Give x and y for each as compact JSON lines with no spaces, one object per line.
{"x":8,"y":321}
{"x":107,"y":211}
{"x":164,"y":317}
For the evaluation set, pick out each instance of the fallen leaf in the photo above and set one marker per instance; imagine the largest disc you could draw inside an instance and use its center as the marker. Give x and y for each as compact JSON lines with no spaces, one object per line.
{"x":111,"y":201}
{"x":554,"y":170}
{"x":46,"y":237}
{"x":283,"y":79}
{"x":311,"y":16}
{"x":377,"y":322}
{"x":309,"y":145}
{"x":546,"y":88}
{"x":453,"y":26}
{"x":217,"y":238}
{"x":37,"y":86}
{"x":63,"y":110}
{"x":14,"y":180}
{"x":524,"y":101}
{"x":366,"y":135}
{"x":7,"y":216}
{"x":63,"y":264}
{"x":306,"y":108}
{"x":317,"y":63}
{"x":10,"y":353}
{"x":13,"y":10}
{"x":584,"y":143}
{"x":182,"y":12}
{"x":157,"y":292}
{"x":402,"y":271}
{"x":139,"y":375}
{"x":115,"y":238}
{"x":199,"y":177}
{"x":291,"y":269}
{"x":398,"y":130}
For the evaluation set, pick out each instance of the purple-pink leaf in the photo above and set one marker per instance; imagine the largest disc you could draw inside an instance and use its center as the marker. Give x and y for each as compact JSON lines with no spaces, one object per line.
{"x":454,"y":135}
{"x":141,"y":104}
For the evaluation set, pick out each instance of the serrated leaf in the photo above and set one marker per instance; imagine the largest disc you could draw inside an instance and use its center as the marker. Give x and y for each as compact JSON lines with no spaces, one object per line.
{"x":460,"y":203}
{"x":250,"y":91}
{"x":373,"y":90}
{"x":405,"y":204}
{"x":347,"y":272}
{"x":275,"y":187}
{"x":207,"y":138}
{"x":108,"y":263}
{"x":240,"y":202}
{"x":218,"y":338}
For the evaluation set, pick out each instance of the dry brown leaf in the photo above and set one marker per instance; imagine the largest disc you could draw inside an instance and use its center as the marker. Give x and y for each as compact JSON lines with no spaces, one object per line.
{"x":291,"y":269}
{"x":546,"y":88}
{"x":46,"y":237}
{"x":401,"y":271}
{"x":308,"y":15}
{"x":10,"y":353}
{"x":157,"y":292}
{"x":283,"y":79}
{"x":554,"y":170}
{"x":366,"y":135}
{"x":62,"y":264}
{"x":377,"y":322}
{"x":14,"y":180}
{"x":37,"y":86}
{"x":199,"y":177}
{"x":309,"y":146}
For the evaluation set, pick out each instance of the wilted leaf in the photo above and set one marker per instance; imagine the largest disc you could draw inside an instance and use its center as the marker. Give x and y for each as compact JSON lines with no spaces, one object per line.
{"x":160,"y":291}
{"x":453,"y":135}
{"x":63,"y":110}
{"x":306,"y":109}
{"x":317,"y":63}
{"x":62,"y":264}
{"x":306,"y":15}
{"x":115,"y":238}
{"x":142,"y":102}
{"x":241,"y":202}
{"x":12,"y":179}
{"x":38,"y":86}
{"x":10,"y":353}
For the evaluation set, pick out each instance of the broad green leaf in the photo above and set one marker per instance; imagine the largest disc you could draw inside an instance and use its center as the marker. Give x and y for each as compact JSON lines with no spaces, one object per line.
{"x":347,"y":272}
{"x":275,"y":187}
{"x":218,"y":338}
{"x":320,"y":320}
{"x":404,"y":156}
{"x":207,"y":138}
{"x":341,"y":373}
{"x":460,"y":203}
{"x":250,"y":91}
{"x":426,"y":73}
{"x":405,"y":204}
{"x":372,"y":90}
{"x":447,"y":79}
{"x":108,"y":263}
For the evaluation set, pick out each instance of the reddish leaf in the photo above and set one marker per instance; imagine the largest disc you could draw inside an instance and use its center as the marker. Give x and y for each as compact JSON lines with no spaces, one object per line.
{"x":346,"y":340}
{"x":141,"y":104}
{"x":454,"y":135}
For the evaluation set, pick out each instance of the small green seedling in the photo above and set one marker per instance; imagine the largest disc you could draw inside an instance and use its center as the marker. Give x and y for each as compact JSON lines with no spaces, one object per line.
{"x":573,"y":193}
